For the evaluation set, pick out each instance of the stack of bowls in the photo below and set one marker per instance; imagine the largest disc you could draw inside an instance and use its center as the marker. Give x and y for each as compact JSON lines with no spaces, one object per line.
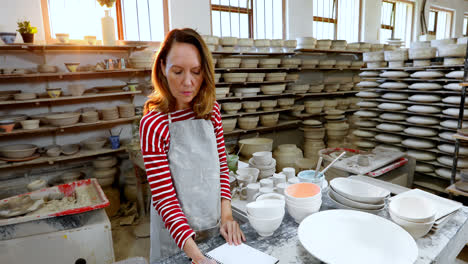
{"x":286,"y":156}
{"x":110,"y":113}
{"x":105,"y":170}
{"x":211,"y":41}
{"x":262,"y":45}
{"x":266,"y":216}
{"x":264,"y":162}
{"x":229,"y":62}
{"x":313,"y":107}
{"x":415,"y":214}
{"x":126,"y":110}
{"x":90,"y":117}
{"x":336,"y":132}
{"x":269,"y":120}
{"x":268,"y":105}
{"x":323,"y":44}
{"x":314,"y":133}
{"x":245,"y":176}
{"x":306,"y":43}
{"x":302,"y":200}
{"x":229,"y":124}
{"x":285,"y":103}
{"x":250,"y":106}
{"x":245,"y":45}
{"x":141,"y":60}
{"x":353,"y":194}
{"x":231,"y":107}
{"x":269,"y":63}
{"x":374,"y":59}
{"x":227,"y":44}
{"x":249,"y":63}
{"x":251,"y":145}
{"x":339,"y":44}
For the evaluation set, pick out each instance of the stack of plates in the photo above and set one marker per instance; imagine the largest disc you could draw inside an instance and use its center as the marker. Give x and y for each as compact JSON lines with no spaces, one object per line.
{"x":110,"y":113}
{"x":126,"y":110}
{"x":357,"y":195}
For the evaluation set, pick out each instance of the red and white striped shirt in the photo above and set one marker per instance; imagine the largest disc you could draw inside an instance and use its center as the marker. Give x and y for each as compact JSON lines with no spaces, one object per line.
{"x":155,"y":141}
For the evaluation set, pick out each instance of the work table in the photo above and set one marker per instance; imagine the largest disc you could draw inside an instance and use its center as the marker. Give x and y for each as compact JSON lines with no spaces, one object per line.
{"x":439,"y":247}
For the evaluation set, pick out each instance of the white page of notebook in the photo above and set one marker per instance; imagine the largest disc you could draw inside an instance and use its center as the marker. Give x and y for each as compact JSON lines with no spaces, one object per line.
{"x":231,"y":254}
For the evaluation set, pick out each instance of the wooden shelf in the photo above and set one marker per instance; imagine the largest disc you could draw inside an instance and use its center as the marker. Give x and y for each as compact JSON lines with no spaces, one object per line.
{"x":442,"y":92}
{"x":61,"y":75}
{"x":410,"y":79}
{"x":257,"y":69}
{"x":253,"y":53}
{"x":68,"y":47}
{"x":44,"y":129}
{"x":440,"y":67}
{"x":464,"y":84}
{"x":431,"y":186}
{"x":414,"y":113}
{"x":328,"y":51}
{"x":432,"y":150}
{"x":51,"y":160}
{"x":255,"y":113}
{"x":432,"y":174}
{"x":329,"y":93}
{"x":281,"y":124}
{"x":66,"y":98}
{"x":261,"y":96}
{"x":438,"y":139}
{"x":247,"y":83}
{"x":411,"y":124}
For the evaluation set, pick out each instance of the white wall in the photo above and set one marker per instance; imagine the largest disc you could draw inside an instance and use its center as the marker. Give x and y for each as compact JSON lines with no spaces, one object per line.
{"x":13,"y":10}
{"x":370,"y":21}
{"x":189,"y":13}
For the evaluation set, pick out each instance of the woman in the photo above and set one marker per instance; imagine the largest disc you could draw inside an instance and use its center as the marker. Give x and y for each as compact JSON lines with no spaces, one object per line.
{"x":182,"y":143}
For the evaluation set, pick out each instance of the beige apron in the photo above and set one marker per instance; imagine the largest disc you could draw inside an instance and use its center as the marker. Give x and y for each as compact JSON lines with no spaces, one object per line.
{"x":194,"y":165}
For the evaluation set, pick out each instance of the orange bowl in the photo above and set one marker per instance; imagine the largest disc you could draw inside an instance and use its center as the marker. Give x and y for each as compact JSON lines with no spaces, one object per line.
{"x":302,"y":190}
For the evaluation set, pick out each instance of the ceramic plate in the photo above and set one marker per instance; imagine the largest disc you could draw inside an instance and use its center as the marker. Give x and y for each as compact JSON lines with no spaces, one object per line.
{"x":418,"y":143}
{"x":391,"y":127}
{"x":395,"y":96}
{"x":394,"y":85}
{"x":419,"y":131}
{"x":446,"y":173}
{"x":392,"y":106}
{"x":447,"y":135}
{"x":424,"y":109}
{"x":423,"y":120}
{"x":359,"y":191}
{"x":425,"y":98}
{"x":358,"y":237}
{"x":425,"y":86}
{"x":421,"y":155}
{"x":389,"y":138}
{"x":348,"y":202}
{"x":393,"y":117}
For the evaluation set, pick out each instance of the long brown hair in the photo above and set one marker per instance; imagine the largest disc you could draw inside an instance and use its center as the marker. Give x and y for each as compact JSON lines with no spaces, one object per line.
{"x":161,"y":98}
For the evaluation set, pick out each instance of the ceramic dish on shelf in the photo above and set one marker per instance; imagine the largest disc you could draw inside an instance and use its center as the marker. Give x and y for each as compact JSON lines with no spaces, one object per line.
{"x":448,"y":160}
{"x":427,"y":74}
{"x":395,"y":96}
{"x":364,"y":133}
{"x":453,"y":100}
{"x":453,"y":86}
{"x":425,"y":98}
{"x":392,"y":106}
{"x":64,"y":119}
{"x":423,"y":120}
{"x":393,"y":116}
{"x":421,"y":155}
{"x":450,"y":148}
{"x":391,"y":127}
{"x":365,"y":123}
{"x":389,"y":138}
{"x":365,"y":94}
{"x":394,"y":85}
{"x":447,"y":136}
{"x":70,"y":149}
{"x":420,"y":131}
{"x":18,"y":151}
{"x":424,"y":109}
{"x":367,"y":104}
{"x":418,"y":143}
{"x":454,"y":112}
{"x":424,"y":168}
{"x":453,"y":124}
{"x":394,"y":74}
{"x":425,"y":86}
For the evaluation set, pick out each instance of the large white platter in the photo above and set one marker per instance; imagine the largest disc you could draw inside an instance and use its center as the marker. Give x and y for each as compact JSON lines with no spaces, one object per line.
{"x":348,"y":237}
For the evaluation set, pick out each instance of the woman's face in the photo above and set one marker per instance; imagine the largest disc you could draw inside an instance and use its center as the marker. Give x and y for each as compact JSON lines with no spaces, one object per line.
{"x":183,"y":72}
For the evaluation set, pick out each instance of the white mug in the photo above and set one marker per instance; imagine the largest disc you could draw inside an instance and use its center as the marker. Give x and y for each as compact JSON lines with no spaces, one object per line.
{"x":266,"y":183}
{"x":289,"y":172}
{"x":281,"y":187}
{"x":250,"y":191}
{"x":244,"y":180}
{"x":278,"y":178}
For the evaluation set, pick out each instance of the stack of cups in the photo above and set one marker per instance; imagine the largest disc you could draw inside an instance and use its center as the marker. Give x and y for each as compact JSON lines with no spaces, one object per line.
{"x":313,"y":138}
{"x":264,"y":162}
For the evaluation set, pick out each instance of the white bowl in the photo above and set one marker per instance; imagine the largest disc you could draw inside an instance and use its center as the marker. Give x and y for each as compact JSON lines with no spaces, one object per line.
{"x":252,"y":172}
{"x":348,"y":202}
{"x":265,"y":227}
{"x":262,"y":158}
{"x":413,"y":209}
{"x":299,"y":213}
{"x":270,"y":196}
{"x":359,"y":191}
{"x":266,"y":209}
{"x":416,"y":230}
{"x":304,"y":188}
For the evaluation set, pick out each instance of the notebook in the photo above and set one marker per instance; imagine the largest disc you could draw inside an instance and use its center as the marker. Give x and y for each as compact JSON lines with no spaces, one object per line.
{"x":231,"y":254}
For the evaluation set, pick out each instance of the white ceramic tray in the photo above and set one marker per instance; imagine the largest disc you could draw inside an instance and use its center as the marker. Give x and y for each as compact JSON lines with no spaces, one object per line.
{"x":346,"y":236}
{"x":376,"y":160}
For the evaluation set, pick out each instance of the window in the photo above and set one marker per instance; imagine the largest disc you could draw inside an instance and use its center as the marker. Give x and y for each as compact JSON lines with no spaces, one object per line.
{"x":134,"y":19}
{"x":465,"y":25}
{"x":247,"y":18}
{"x":440,"y":22}
{"x":336,"y":19}
{"x":396,"y":21}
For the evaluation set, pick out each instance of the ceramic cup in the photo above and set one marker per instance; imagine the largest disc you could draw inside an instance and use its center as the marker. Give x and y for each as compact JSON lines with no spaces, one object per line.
{"x":278,"y":178}
{"x":249,"y":193}
{"x":264,"y":190}
{"x":244,"y":180}
{"x":281,"y":187}
{"x":115,"y":142}
{"x":310,"y":176}
{"x":289,"y":172}
{"x":266,"y":183}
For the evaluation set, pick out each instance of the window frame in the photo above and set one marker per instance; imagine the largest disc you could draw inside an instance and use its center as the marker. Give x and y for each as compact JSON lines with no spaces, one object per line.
{"x":248,"y":11}
{"x":465,"y":16}
{"x":119,"y":20}
{"x":334,"y":21}
{"x":436,"y":10}
{"x":394,"y":2}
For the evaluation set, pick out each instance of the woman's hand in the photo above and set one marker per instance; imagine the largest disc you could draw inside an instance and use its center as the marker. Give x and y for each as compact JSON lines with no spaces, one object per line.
{"x":231,"y":231}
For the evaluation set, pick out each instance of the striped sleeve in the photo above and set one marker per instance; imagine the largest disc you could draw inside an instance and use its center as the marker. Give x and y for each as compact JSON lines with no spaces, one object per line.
{"x":224,"y":171}
{"x":154,"y":139}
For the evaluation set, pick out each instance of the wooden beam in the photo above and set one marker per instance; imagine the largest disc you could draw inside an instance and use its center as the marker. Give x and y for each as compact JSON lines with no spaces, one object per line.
{"x":232,"y":9}
{"x":324,"y":19}
{"x":118,"y":11}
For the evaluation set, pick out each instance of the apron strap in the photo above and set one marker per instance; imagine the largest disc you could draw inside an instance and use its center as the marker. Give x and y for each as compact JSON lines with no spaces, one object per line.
{"x":169,"y":118}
